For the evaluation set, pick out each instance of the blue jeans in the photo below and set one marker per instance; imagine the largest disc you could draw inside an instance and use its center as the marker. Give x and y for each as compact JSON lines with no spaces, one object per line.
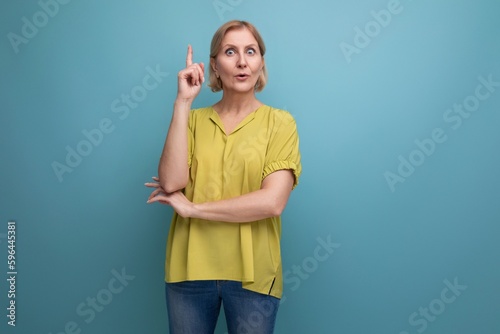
{"x":193,"y":307}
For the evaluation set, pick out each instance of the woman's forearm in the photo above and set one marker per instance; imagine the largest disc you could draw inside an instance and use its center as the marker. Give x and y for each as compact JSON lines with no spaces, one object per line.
{"x":173,"y":168}
{"x":269,"y":201}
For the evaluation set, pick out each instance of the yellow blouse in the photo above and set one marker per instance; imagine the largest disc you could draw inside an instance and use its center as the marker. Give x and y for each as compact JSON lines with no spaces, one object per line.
{"x":225,"y":166}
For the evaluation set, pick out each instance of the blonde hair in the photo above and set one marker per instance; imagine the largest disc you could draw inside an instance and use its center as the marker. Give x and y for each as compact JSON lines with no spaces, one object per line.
{"x":215,"y":83}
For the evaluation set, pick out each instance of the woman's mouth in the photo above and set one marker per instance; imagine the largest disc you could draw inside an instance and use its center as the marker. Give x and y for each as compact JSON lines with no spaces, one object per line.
{"x":242,"y":76}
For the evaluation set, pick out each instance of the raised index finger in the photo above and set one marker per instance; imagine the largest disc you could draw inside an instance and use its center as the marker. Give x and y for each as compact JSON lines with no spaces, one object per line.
{"x":189,"y":58}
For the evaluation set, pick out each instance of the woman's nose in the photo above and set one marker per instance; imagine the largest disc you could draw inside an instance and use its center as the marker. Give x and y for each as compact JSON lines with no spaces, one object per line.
{"x":241,"y":61}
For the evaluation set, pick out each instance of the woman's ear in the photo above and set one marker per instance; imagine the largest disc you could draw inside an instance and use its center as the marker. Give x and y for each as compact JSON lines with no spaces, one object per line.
{"x":213,"y":64}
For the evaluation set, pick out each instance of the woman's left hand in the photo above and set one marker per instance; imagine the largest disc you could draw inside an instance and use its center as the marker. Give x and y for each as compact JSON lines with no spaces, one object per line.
{"x":176,"y":200}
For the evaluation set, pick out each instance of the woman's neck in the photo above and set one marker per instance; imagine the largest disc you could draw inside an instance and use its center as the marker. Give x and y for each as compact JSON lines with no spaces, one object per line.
{"x":237,"y":103}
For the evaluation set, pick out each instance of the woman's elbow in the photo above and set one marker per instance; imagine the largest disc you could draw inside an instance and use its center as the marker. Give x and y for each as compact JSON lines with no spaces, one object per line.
{"x":277,"y":207}
{"x":171,"y":186}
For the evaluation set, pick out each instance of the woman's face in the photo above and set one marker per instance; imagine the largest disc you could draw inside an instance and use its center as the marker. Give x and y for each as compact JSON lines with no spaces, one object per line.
{"x":239,"y":62}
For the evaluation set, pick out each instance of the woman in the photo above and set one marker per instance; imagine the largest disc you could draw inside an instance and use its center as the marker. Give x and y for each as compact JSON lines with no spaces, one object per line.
{"x":227,"y":171}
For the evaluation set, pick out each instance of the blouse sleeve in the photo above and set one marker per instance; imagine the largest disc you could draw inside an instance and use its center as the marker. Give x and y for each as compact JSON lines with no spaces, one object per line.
{"x":283,"y":150}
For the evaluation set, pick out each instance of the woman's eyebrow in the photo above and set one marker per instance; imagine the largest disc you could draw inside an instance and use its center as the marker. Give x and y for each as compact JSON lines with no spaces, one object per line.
{"x":234,"y":46}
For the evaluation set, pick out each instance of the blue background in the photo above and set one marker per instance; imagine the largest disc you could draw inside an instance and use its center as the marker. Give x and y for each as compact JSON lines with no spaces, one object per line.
{"x":356,"y":113}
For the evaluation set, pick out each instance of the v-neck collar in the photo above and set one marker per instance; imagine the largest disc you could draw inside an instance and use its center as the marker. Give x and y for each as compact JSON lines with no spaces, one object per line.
{"x":216,"y":119}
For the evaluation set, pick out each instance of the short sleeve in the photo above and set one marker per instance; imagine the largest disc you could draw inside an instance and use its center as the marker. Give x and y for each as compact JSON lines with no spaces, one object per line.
{"x":283,"y":149}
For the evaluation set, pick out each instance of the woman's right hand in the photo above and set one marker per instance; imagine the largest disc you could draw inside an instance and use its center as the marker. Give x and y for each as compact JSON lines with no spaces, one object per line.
{"x":190,"y":79}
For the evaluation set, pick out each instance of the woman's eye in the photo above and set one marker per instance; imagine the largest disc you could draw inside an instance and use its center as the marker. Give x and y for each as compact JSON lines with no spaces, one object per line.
{"x":251,"y":51}
{"x":230,"y":52}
